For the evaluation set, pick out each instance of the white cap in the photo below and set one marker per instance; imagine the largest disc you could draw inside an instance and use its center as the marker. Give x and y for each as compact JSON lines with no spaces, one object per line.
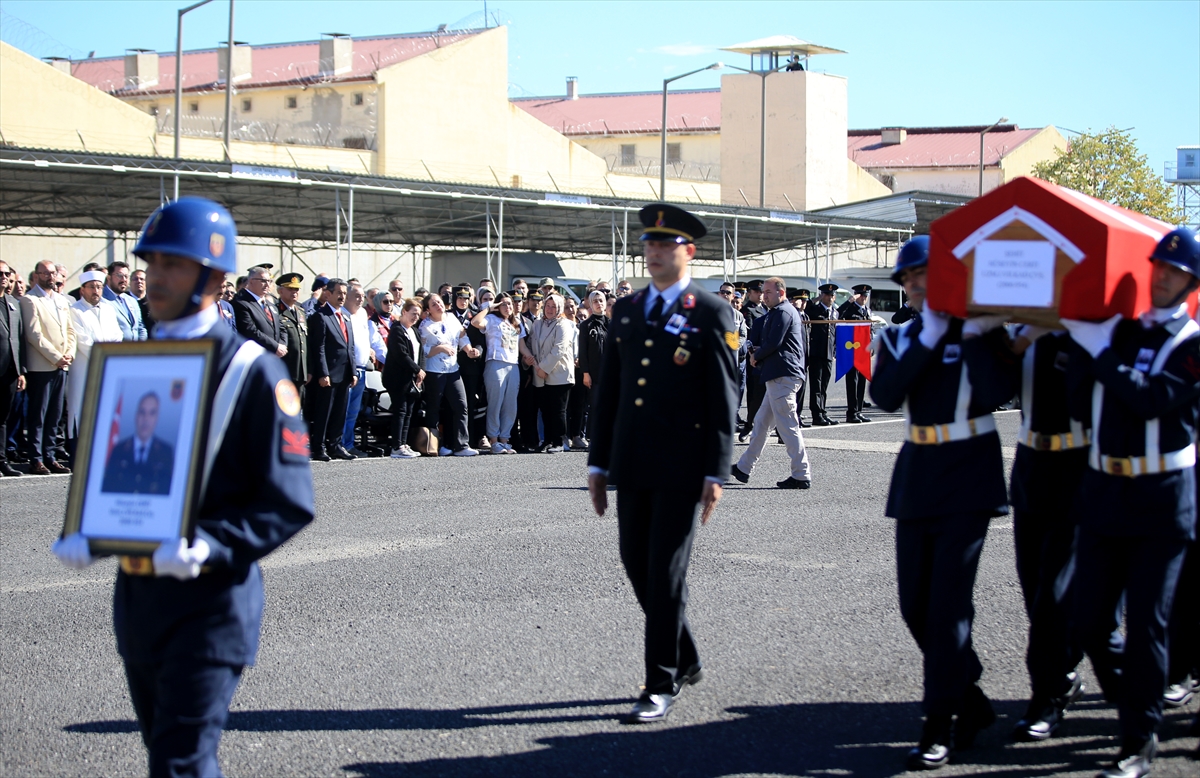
{"x":92,"y":275}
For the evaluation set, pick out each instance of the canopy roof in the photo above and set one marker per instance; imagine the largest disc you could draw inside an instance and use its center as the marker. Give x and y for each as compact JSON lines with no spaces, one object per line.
{"x":788,"y":43}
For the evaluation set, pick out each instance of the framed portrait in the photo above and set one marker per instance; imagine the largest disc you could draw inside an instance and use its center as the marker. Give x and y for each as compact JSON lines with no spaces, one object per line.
{"x":140,"y":454}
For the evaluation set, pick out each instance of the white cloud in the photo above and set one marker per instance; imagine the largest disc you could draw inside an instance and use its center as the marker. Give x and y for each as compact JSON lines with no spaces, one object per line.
{"x":684,"y":49}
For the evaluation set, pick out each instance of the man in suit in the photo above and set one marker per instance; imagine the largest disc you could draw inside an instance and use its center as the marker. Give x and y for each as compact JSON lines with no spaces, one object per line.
{"x":12,"y":359}
{"x":856,"y":309}
{"x":255,"y":314}
{"x":129,"y":313}
{"x":143,"y":462}
{"x":822,"y":344}
{"x":50,"y":349}
{"x":137,"y":288}
{"x":294,"y":324}
{"x":331,"y":360}
{"x":668,"y":383}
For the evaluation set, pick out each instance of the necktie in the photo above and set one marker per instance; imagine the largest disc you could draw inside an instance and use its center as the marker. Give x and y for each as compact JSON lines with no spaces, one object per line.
{"x":655,"y":310}
{"x":342,"y":323}
{"x":267,"y":311}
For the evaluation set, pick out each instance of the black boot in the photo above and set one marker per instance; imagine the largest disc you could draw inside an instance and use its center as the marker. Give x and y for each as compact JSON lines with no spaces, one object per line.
{"x":1044,"y":715}
{"x":1134,"y":759}
{"x":976,"y":715}
{"x":933,"y":751}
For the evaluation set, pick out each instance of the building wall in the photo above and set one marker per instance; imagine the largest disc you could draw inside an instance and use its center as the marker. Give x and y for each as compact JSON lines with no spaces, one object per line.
{"x":1040,"y":148}
{"x":861,"y":185}
{"x":698,"y":151}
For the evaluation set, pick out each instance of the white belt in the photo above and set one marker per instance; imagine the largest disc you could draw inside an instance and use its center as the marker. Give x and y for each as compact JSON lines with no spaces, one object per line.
{"x":934,"y":434}
{"x":1133,"y":467}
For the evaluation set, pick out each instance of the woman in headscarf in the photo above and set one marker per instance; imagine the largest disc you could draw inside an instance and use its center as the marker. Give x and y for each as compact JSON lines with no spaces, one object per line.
{"x":551,"y":344}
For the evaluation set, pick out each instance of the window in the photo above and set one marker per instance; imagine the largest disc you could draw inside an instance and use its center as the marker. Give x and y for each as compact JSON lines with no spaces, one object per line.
{"x":628,"y":154}
{"x":154,"y":110}
{"x":358,"y":98}
{"x":246,"y":105}
{"x":194,"y":106}
{"x":292,"y":102}
{"x":674,"y":154}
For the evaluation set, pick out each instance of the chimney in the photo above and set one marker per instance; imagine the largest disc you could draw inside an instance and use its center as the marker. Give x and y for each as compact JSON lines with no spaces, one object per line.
{"x":893,"y":136}
{"x":61,"y":64}
{"x":572,"y":87}
{"x":141,"y":68}
{"x":337,"y":48}
{"x":241,"y":61}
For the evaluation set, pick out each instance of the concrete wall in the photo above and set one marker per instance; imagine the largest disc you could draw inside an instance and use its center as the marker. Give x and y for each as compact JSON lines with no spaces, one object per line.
{"x":42,"y":107}
{"x":1039,"y":148}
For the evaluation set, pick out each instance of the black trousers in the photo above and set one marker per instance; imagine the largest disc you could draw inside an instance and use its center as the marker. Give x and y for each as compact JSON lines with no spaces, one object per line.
{"x":403,"y":404}
{"x":46,"y":394}
{"x":1184,"y":643}
{"x":577,"y":407}
{"x":476,"y":394}
{"x":856,"y":389}
{"x":552,"y":402}
{"x":656,"y":528}
{"x":936,"y":562}
{"x":527,"y":415}
{"x":819,"y":372}
{"x":328,"y":414}
{"x":800,"y":397}
{"x":1145,"y":570}
{"x":182,"y":705}
{"x":8,"y":393}
{"x":756,"y":390}
{"x":446,"y":403}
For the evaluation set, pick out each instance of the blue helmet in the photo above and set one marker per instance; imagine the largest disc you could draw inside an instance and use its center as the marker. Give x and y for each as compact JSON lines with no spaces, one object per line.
{"x":192,"y":227}
{"x":914,"y":253}
{"x":1180,"y":247}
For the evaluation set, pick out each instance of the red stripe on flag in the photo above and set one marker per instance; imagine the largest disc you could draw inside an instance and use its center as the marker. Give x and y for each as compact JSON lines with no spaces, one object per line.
{"x":114,"y":431}
{"x":862,"y":356}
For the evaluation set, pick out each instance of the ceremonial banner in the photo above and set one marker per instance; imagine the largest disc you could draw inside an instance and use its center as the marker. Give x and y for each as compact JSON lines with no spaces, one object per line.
{"x":852,"y":352}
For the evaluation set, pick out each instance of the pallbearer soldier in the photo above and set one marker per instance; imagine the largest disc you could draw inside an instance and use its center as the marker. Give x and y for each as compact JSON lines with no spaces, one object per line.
{"x":1137,"y":507}
{"x":294,"y":323}
{"x":668,"y":383}
{"x":821,"y":352}
{"x":1051,"y":459}
{"x":187,"y":621}
{"x":948,"y":483}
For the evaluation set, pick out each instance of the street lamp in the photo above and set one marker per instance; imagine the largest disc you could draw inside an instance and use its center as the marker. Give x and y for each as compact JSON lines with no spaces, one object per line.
{"x":1003,"y":119}
{"x":762,"y":138}
{"x":662,"y":161}
{"x":179,"y":78}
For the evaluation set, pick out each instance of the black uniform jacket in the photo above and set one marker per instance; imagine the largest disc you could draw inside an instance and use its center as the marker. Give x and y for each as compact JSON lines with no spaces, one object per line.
{"x":821,"y":339}
{"x":252,"y":322}
{"x":294,"y":325}
{"x":124,"y":475}
{"x":259,"y":494}
{"x":329,"y":353}
{"x":401,"y":368}
{"x":964,"y":476}
{"x":593,"y":334}
{"x":1160,"y":504}
{"x":666,"y":404}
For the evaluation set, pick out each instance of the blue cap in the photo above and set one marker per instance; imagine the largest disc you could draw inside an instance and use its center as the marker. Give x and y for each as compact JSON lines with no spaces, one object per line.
{"x":1180,"y":247}
{"x":192,"y":227}
{"x":914,"y":253}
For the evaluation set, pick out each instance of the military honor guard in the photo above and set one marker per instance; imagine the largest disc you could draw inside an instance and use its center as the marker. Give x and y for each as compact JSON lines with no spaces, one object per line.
{"x":822,"y":350}
{"x":948,"y":483}
{"x":1140,"y":385}
{"x":293,"y":324}
{"x":669,"y":375}
{"x":187,"y":621}
{"x":752,"y":310}
{"x":857,"y":308}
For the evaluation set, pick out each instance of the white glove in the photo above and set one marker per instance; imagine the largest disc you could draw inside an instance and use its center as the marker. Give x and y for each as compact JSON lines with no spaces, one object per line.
{"x":73,"y":551}
{"x":1031,"y":332}
{"x":978,"y":325}
{"x":1092,"y":337}
{"x":178,"y":561}
{"x":933,"y":326}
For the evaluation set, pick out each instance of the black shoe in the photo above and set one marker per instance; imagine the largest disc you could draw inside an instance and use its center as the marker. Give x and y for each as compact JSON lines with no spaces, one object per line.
{"x":54,"y":467}
{"x":1134,"y":760}
{"x":8,"y":470}
{"x":739,"y":475}
{"x":824,"y":421}
{"x":319,"y":456}
{"x":1043,"y":716}
{"x":650,"y":707}
{"x":338,"y":452}
{"x":791,"y":482}
{"x":853,"y":420}
{"x":803,"y":424}
{"x":862,"y":419}
{"x":976,"y":716}
{"x":743,"y":435}
{"x":933,"y":751}
{"x":693,"y":676}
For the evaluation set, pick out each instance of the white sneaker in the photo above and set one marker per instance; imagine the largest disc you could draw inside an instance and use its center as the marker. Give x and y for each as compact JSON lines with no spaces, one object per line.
{"x":444,"y":452}
{"x":498,"y":448}
{"x":408,"y":453}
{"x":466,"y":452}
{"x":398,"y":453}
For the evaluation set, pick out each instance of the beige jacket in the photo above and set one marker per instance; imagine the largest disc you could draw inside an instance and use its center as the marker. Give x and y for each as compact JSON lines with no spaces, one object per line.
{"x":49,"y":332}
{"x":552,"y":344}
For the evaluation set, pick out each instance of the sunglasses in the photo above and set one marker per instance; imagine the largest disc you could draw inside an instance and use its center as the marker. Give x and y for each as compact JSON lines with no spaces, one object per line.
{"x":725,"y":293}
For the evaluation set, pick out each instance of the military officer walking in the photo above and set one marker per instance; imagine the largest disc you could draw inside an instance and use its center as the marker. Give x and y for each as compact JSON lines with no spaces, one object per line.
{"x":821,"y":352}
{"x":856,"y":309}
{"x":187,"y":621}
{"x":294,"y":325}
{"x":669,"y":375}
{"x":752,"y":310}
{"x":1137,"y":507}
{"x":948,"y":483}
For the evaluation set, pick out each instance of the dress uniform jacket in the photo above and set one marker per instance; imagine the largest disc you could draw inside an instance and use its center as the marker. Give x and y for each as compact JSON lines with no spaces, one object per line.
{"x":254,"y":324}
{"x":259,"y":494}
{"x":123,"y":474}
{"x":822,"y":342}
{"x":294,"y":332}
{"x":955,"y":382}
{"x":660,"y":388}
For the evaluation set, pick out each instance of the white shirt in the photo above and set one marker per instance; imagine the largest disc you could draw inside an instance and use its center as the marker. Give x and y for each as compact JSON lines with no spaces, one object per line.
{"x":447,"y":332}
{"x":189,"y":327}
{"x":502,"y":338}
{"x":366,"y":338}
{"x":669,"y":295}
{"x":94,"y":324}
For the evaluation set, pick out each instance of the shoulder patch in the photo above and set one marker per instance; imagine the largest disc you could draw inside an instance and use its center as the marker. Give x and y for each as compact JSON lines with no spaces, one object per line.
{"x":689,"y":301}
{"x":732,"y":340}
{"x":287,"y":397}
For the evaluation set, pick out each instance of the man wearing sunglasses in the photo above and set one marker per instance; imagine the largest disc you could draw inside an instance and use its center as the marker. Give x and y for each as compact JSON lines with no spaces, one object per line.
{"x":255,"y":315}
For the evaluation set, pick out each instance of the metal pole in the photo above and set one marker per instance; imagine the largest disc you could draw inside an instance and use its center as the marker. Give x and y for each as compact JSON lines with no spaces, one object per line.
{"x":735,"y":248}
{"x":662,"y":157}
{"x":625,"y":245}
{"x":179,"y":81}
{"x":986,"y":130}
{"x":350,"y":235}
{"x":487,"y":213}
{"x":762,"y":147}
{"x":500,"y":241}
{"x":229,"y":86}
{"x":613,"y":228}
{"x":337,"y":232}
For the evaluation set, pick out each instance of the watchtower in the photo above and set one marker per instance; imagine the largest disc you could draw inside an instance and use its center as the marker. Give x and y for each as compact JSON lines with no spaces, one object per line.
{"x":1185,"y":175}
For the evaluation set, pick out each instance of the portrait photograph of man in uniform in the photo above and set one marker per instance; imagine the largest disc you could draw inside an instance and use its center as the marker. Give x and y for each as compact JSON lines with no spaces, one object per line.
{"x":143,"y":462}
{"x":669,"y":374}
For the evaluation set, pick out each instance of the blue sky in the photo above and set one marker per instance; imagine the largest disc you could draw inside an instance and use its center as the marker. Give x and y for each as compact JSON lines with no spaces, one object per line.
{"x":1077,"y":65}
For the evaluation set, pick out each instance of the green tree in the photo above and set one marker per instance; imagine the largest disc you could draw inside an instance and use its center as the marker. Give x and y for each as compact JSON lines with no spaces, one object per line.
{"x":1107,"y":166}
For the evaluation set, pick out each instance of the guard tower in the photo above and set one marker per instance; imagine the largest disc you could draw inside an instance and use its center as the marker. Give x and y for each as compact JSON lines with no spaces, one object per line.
{"x":1185,"y":175}
{"x":783,"y":128}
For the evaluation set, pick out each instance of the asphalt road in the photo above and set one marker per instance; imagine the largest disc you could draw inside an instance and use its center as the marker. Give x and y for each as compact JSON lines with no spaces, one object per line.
{"x":463,"y":617}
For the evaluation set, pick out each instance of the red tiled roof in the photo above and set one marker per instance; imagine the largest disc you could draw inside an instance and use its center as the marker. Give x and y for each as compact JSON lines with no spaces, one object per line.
{"x":275,"y":64}
{"x":935,"y":146}
{"x":694,"y":110}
